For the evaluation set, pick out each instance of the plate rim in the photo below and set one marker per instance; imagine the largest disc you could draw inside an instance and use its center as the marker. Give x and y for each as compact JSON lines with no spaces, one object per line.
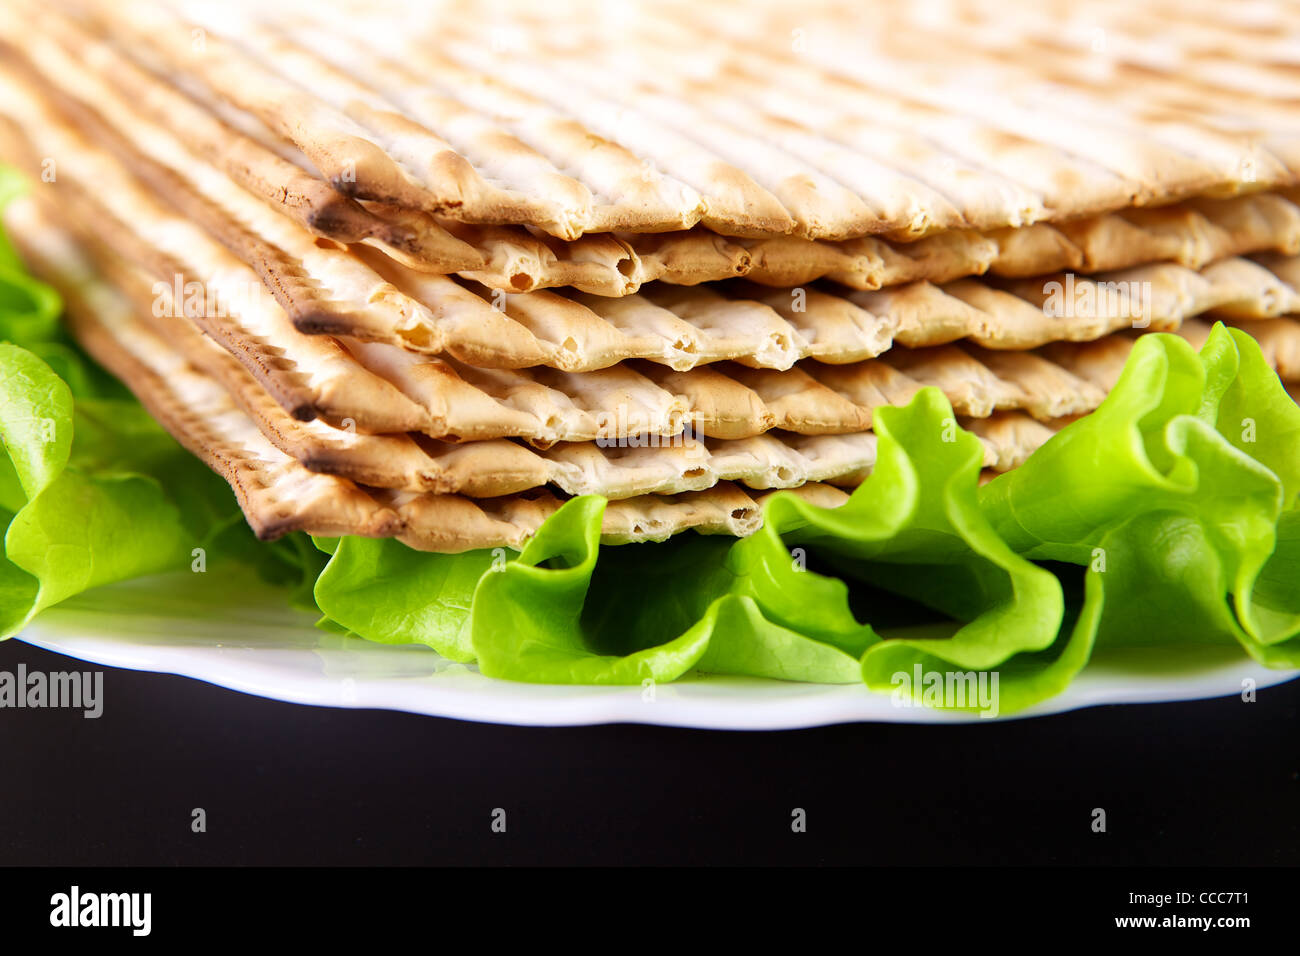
{"x":624,"y":705}
{"x":67,"y":629}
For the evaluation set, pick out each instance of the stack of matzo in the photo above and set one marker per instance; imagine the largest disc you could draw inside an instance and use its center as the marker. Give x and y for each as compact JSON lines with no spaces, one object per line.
{"x":427,"y":270}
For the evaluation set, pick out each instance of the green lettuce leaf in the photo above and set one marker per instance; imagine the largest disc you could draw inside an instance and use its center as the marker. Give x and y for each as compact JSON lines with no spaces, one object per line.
{"x":382,"y":590}
{"x":1172,"y":494}
{"x":912,"y":530}
{"x":540,"y":618}
{"x":72,"y":530}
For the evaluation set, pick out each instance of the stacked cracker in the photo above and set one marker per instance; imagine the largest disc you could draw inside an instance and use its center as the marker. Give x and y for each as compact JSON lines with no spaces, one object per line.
{"x":427,"y":271}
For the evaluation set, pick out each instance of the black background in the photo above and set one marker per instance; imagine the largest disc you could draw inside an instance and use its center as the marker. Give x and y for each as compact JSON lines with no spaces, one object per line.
{"x":1205,"y":783}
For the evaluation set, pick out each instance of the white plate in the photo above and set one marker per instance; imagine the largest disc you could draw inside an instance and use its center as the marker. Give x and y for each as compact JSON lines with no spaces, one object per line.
{"x":231,"y":630}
